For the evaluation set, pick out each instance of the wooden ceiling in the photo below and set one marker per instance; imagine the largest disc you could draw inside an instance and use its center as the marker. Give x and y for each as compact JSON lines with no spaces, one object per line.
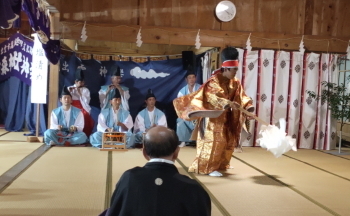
{"x":169,"y":27}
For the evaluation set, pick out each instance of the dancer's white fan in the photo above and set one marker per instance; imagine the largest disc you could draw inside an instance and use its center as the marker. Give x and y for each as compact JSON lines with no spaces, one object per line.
{"x":274,"y":139}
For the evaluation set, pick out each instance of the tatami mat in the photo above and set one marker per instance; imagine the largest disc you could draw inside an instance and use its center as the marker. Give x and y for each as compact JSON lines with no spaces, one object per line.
{"x":11,"y":154}
{"x":2,"y":131}
{"x":328,"y":190}
{"x":344,"y":153}
{"x":63,"y":182}
{"x":330,"y":163}
{"x":13,"y":137}
{"x":245,"y":191}
{"x":72,"y":181}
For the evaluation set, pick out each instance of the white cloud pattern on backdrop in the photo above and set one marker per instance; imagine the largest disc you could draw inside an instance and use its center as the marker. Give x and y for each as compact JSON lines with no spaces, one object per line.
{"x":151,"y":74}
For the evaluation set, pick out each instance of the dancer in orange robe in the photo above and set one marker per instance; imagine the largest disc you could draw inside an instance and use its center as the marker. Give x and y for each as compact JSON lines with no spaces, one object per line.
{"x":81,"y":100}
{"x":217,"y":137}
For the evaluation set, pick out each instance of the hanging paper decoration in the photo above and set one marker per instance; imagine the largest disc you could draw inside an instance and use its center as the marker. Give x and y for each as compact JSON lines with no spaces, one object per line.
{"x":248,"y":44}
{"x":83,"y":33}
{"x":139,"y":41}
{"x":198,"y":41}
{"x":348,"y":51}
{"x":301,"y":46}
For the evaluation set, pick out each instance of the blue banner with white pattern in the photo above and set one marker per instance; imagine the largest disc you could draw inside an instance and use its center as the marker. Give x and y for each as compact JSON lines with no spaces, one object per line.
{"x":16,"y":58}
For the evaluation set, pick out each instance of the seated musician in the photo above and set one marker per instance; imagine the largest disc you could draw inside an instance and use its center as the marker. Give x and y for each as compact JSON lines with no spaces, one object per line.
{"x":107,"y":91}
{"x":148,"y":118}
{"x":67,"y":123}
{"x":81,"y":99}
{"x":184,"y":128}
{"x":113,"y":119}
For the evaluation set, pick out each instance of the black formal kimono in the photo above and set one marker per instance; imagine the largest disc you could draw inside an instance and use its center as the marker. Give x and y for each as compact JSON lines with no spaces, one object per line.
{"x":157,"y":189}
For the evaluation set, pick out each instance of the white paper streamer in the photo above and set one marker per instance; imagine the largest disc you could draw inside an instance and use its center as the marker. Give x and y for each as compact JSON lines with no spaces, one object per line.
{"x":198,"y":40}
{"x":83,"y":33}
{"x":248,"y":44}
{"x":348,"y":51}
{"x":301,"y":46}
{"x":138,"y":39}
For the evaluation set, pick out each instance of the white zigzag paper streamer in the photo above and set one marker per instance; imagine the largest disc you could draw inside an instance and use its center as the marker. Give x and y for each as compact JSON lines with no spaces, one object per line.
{"x":198,"y":40}
{"x":248,"y":44}
{"x":348,"y":51}
{"x":138,"y":39}
{"x":301,"y":46}
{"x":83,"y":33}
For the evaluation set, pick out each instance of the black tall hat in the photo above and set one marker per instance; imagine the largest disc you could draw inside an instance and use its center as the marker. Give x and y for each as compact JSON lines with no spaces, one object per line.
{"x":229,"y":53}
{"x":79,"y":75}
{"x":65,"y":91}
{"x":116,"y":94}
{"x":115,"y":70}
{"x":190,"y":71}
{"x":150,"y":94}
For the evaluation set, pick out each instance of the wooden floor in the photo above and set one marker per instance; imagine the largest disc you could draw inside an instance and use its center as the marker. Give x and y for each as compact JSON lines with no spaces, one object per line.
{"x":37,"y":180}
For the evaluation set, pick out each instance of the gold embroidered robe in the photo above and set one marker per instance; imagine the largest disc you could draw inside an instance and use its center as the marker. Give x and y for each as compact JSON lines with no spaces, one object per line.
{"x":217,"y":137}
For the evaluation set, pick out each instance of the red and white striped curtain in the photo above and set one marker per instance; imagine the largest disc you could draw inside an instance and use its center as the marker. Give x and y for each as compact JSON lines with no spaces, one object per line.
{"x":277,"y":82}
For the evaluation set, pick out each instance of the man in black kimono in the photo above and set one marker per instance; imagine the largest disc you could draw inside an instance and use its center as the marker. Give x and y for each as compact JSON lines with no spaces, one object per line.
{"x":157,"y":189}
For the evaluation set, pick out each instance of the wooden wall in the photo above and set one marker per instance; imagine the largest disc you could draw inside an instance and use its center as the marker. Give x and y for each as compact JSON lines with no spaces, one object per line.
{"x":309,"y":17}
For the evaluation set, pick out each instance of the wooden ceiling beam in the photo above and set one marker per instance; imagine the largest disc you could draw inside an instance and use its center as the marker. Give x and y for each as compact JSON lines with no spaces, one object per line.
{"x":208,"y":38}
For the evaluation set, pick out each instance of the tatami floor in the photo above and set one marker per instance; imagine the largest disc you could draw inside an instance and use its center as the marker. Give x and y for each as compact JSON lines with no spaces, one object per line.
{"x":62,"y":181}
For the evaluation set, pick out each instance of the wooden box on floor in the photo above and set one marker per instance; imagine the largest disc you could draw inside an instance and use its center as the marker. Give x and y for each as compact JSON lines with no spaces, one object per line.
{"x":35,"y":139}
{"x":113,"y":141}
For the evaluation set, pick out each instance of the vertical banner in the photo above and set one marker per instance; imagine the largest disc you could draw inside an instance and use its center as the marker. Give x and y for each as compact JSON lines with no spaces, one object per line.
{"x":331,"y":124}
{"x":280,"y":91}
{"x":322,"y":107}
{"x":295,"y":94}
{"x":250,"y":88}
{"x":309,"y":107}
{"x":39,"y":73}
{"x":265,"y":87}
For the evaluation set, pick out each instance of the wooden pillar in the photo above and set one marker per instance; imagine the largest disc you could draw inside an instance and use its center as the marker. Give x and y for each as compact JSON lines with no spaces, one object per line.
{"x":54,"y":69}
{"x":52,"y":89}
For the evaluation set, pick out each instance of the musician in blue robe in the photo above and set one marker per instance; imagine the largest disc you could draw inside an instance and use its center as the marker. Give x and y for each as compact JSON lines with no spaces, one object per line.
{"x":107,"y":91}
{"x":184,"y":128}
{"x":113,"y":119}
{"x":148,"y":118}
{"x":67,"y":123}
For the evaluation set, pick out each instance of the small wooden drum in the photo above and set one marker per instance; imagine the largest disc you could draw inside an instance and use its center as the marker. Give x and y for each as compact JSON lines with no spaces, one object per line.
{"x":113,"y":141}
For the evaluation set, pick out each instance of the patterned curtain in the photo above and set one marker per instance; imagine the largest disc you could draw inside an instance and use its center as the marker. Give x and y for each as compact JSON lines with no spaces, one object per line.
{"x":277,"y":81}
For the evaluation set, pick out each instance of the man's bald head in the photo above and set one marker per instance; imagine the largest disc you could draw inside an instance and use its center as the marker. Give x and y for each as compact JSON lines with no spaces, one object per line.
{"x":160,"y":142}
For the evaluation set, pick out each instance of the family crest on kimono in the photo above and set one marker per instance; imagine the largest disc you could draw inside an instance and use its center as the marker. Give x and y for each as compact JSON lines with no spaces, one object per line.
{"x":81,"y":99}
{"x":67,"y":123}
{"x":184,"y":128}
{"x":217,"y":137}
{"x":148,"y":118}
{"x":158,"y":188}
{"x":113,"y":119}
{"x":107,"y":92}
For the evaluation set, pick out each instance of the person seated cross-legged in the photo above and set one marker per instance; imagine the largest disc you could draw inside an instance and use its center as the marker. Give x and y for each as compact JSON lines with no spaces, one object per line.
{"x":147,"y":118}
{"x":113,"y":119}
{"x":67,"y":123}
{"x":185,"y":128}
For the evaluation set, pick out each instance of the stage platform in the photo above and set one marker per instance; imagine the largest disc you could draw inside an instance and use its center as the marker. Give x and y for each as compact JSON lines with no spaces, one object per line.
{"x":71,"y":181}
